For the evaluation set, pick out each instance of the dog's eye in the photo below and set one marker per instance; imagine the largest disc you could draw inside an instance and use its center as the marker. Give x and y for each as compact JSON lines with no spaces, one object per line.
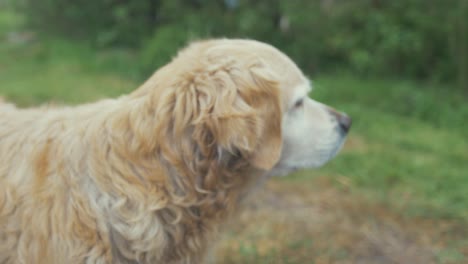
{"x":299,"y":103}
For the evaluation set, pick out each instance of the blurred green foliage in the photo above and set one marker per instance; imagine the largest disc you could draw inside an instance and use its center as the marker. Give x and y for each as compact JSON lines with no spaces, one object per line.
{"x":424,"y":39}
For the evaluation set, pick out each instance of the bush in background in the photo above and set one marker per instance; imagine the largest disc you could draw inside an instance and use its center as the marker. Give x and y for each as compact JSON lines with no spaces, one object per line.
{"x":423,"y":39}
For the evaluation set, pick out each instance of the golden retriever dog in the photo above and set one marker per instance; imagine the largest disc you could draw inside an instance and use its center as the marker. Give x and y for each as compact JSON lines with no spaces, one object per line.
{"x":150,"y":177}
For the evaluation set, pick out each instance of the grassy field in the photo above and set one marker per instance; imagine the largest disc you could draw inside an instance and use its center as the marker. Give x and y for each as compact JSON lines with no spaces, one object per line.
{"x":398,"y":192}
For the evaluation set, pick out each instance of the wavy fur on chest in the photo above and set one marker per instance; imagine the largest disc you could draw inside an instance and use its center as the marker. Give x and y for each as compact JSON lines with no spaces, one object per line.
{"x":145,"y":178}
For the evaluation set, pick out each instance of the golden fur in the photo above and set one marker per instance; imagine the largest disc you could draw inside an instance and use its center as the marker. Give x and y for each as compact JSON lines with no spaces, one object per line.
{"x":145,"y":178}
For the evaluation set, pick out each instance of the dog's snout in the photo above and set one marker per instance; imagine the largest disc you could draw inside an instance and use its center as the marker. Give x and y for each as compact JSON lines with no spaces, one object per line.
{"x":344,"y":121}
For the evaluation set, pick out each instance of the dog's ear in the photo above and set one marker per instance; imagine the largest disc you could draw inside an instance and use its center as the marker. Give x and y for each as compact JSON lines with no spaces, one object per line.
{"x":224,"y":107}
{"x":269,"y":139}
{"x":236,"y":109}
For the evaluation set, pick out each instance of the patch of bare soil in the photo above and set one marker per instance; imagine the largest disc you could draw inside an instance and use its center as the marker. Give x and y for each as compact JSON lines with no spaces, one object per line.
{"x":289,"y":222}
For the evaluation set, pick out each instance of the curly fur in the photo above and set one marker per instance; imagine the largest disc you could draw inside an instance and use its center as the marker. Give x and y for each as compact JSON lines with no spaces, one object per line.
{"x":145,"y":178}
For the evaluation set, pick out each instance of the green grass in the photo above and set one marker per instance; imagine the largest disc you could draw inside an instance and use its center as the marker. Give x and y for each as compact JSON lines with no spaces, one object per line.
{"x":408,"y":147}
{"x":62,"y":72}
{"x":38,"y":71}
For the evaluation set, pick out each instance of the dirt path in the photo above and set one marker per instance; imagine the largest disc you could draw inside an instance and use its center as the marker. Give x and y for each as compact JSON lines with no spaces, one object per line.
{"x":288,"y":222}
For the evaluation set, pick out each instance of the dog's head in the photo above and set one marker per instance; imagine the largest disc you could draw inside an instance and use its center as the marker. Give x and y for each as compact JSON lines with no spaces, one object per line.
{"x":242,"y":99}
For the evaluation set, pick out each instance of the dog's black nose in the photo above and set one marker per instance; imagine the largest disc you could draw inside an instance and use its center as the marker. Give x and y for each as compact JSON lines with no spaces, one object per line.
{"x":344,"y":121}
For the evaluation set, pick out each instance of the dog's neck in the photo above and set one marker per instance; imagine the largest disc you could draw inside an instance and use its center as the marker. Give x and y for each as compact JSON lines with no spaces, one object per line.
{"x":161,"y":207}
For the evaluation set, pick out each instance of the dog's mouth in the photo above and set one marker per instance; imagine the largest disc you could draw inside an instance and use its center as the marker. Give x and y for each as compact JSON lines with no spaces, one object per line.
{"x":339,"y":145}
{"x":283,"y":167}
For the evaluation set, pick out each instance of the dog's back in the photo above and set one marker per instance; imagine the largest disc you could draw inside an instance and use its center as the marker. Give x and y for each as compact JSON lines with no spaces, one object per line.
{"x":40,"y":195}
